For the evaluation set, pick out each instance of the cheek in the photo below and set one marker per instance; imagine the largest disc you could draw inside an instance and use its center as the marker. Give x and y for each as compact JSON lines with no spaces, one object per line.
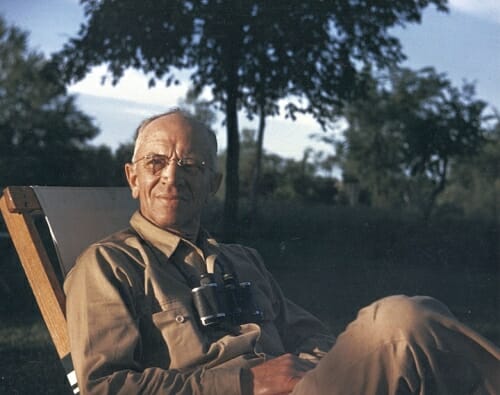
{"x":197,"y":188}
{"x":202,"y":192}
{"x":145,"y":188}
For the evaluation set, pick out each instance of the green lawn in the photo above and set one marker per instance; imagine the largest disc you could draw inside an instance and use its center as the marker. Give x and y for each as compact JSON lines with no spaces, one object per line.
{"x":29,"y":361}
{"x":30,"y":365}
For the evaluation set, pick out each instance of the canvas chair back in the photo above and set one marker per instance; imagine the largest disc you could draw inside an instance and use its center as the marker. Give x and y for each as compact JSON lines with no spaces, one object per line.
{"x":75,"y":217}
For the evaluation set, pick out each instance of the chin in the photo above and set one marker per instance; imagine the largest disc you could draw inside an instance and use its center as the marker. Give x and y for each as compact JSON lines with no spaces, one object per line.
{"x":168,"y":224}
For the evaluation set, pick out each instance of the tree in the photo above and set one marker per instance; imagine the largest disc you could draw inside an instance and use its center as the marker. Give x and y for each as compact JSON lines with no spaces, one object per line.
{"x":250,"y":53}
{"x":474,"y":185}
{"x":284,"y":179}
{"x":201,"y":109}
{"x":407,"y":131}
{"x":41,"y":131}
{"x":123,"y":154}
{"x":100,"y":167}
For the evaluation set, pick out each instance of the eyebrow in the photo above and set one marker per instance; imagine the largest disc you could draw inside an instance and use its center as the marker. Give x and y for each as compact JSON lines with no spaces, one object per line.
{"x":188,"y":155}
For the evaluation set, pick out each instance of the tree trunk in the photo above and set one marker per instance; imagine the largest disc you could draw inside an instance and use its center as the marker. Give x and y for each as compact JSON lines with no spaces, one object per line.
{"x":230,"y":220}
{"x":431,"y":203}
{"x":257,"y":169}
{"x":231,"y":47}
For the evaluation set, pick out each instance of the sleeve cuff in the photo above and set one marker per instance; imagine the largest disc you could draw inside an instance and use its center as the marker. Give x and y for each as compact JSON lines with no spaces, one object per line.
{"x":246,"y":382}
{"x":236,"y":381}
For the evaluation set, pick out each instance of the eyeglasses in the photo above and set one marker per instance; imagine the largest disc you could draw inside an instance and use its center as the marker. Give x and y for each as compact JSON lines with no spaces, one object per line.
{"x":155,"y":163}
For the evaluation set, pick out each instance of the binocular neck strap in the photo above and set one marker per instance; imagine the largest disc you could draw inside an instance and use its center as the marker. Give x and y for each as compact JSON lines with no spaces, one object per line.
{"x":210,"y":263}
{"x":224,"y":263}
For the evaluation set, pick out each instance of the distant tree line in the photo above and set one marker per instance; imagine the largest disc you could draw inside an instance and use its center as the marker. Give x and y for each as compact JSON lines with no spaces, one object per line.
{"x":411,"y":136}
{"x":413,"y":141}
{"x":44,"y":137}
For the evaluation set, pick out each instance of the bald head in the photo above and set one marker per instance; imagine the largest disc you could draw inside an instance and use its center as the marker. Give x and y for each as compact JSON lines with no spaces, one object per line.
{"x":177,"y":118}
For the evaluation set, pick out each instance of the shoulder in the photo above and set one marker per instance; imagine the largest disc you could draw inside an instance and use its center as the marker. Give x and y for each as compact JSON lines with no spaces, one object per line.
{"x":241,"y":253}
{"x":119,"y":253}
{"x":124,"y":242}
{"x":247,"y":261}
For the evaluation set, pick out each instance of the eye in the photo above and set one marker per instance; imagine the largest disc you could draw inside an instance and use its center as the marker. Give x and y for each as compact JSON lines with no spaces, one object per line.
{"x":156,"y":162}
{"x":188,"y":163}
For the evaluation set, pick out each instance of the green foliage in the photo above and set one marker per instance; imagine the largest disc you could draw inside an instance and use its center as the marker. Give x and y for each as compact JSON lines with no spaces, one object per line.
{"x":475,"y":181}
{"x":42,"y":133}
{"x":100,"y":167}
{"x":122,"y":155}
{"x":406,"y":133}
{"x":282,"y":179}
{"x":201,"y":109}
{"x":250,"y":53}
{"x":274,"y":49}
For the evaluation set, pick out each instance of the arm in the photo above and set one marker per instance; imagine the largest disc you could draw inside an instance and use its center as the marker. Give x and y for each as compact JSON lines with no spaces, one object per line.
{"x":304,"y":337}
{"x":103,"y":291}
{"x":301,"y":332}
{"x":304,"y":334}
{"x":279,"y":375}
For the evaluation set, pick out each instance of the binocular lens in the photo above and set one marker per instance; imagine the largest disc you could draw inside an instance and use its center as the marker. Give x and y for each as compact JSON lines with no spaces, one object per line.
{"x":207,"y":302}
{"x":232,"y":303}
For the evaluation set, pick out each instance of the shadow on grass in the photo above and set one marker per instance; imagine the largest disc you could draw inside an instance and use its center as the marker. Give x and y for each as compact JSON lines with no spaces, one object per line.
{"x":335,"y":287}
{"x":29,"y":362}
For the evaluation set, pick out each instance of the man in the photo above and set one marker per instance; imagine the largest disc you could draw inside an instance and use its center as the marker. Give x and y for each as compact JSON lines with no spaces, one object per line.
{"x":161,"y":307}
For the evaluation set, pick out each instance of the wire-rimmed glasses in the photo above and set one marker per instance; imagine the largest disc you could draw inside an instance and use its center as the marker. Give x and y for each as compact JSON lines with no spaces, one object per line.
{"x":155,"y":163}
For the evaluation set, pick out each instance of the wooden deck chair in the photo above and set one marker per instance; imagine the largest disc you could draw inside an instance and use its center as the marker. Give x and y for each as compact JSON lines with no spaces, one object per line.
{"x":74,"y":217}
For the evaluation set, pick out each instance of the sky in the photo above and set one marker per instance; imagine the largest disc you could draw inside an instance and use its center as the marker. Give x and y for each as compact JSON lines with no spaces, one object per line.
{"x":464,"y":44}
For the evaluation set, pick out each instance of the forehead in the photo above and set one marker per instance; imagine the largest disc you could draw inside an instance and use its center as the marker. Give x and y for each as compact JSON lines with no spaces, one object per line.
{"x":174,"y":133}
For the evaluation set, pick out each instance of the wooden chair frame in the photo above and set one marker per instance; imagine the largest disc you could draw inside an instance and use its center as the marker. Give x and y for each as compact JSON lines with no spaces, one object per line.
{"x":18,"y":206}
{"x":43,"y":263}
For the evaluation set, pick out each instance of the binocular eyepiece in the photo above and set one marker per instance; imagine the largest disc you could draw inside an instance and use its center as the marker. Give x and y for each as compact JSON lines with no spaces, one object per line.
{"x":231,"y":302}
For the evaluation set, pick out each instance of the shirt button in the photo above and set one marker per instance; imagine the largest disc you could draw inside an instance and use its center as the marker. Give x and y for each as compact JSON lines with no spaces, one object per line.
{"x":180,"y":319}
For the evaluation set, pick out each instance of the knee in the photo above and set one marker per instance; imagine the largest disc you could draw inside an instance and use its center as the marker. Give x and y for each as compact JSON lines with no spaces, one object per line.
{"x":403,"y":314}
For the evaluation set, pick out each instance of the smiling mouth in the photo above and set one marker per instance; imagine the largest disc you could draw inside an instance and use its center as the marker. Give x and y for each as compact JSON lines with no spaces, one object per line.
{"x":171,"y":197}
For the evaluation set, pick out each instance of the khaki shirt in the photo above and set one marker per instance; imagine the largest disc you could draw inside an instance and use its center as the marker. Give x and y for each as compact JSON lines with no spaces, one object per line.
{"x":133,"y":327}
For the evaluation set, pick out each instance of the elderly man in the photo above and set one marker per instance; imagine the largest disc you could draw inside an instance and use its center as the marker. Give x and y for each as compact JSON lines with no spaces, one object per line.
{"x":162,"y":308}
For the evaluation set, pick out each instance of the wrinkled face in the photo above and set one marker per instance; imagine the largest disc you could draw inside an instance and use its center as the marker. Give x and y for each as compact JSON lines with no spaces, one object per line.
{"x":172,"y":196}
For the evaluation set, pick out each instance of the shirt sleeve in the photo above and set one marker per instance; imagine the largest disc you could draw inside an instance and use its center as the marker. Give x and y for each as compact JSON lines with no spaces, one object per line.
{"x":301,"y":332}
{"x":105,"y":339}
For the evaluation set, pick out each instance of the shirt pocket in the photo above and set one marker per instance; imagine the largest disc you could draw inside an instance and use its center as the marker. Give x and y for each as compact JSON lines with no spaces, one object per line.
{"x":186,"y":344}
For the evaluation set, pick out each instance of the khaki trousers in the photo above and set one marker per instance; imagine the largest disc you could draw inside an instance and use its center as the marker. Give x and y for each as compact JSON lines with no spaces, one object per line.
{"x":406,"y":345}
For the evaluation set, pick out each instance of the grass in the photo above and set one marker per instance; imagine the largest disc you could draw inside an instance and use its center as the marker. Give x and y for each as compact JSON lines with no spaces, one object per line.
{"x":29,"y":361}
{"x":335,"y":290}
{"x":331,"y":261}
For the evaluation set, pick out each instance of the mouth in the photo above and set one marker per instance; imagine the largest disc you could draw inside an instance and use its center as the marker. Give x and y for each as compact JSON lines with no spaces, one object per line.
{"x":171,"y":197}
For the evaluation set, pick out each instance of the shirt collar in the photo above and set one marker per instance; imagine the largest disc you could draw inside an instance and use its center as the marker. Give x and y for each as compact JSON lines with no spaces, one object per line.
{"x":167,"y":242}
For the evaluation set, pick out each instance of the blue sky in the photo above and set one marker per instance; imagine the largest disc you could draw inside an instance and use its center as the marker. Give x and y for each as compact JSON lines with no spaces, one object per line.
{"x":464,"y":44}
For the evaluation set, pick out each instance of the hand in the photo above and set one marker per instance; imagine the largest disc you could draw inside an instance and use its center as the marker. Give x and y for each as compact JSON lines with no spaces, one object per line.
{"x":279,"y":375}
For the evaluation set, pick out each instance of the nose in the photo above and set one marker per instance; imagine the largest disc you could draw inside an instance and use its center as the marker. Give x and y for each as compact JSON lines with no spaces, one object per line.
{"x":169,"y":173}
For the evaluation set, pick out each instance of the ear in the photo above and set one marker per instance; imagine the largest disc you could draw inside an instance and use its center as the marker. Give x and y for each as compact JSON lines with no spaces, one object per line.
{"x":215,"y":182}
{"x":132,"y":179}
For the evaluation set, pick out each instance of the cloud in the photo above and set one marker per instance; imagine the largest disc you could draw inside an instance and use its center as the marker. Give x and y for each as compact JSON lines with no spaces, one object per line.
{"x":142,"y":112}
{"x":121,"y":107}
{"x":489,"y":9}
{"x":133,"y":86}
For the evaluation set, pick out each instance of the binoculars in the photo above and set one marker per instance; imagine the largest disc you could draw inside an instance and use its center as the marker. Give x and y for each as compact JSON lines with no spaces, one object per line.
{"x":231,"y":302}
